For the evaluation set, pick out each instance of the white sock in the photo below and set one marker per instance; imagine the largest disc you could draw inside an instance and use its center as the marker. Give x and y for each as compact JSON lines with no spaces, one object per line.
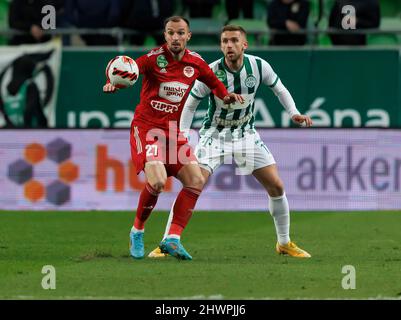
{"x":170,"y":218}
{"x":279,"y":209}
{"x":173,"y":236}
{"x":133,"y":229}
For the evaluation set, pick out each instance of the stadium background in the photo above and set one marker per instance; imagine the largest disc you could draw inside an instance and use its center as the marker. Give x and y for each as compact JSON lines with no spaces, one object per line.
{"x":350,"y":161}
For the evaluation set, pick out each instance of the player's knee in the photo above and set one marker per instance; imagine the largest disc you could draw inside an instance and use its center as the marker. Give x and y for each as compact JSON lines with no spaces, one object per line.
{"x":276,"y":189}
{"x":196,"y":181}
{"x":159,"y":184}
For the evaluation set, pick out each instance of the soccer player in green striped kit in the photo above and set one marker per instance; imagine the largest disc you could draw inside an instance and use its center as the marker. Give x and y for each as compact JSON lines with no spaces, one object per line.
{"x":228,"y":130}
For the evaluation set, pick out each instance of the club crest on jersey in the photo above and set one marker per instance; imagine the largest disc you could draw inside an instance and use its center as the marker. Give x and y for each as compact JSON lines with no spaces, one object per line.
{"x":250,"y":81}
{"x":161,"y":61}
{"x":221,"y":75}
{"x":189,"y":71}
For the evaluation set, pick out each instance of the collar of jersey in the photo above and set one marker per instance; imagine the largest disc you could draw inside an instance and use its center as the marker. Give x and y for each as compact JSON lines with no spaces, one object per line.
{"x":232,"y":72}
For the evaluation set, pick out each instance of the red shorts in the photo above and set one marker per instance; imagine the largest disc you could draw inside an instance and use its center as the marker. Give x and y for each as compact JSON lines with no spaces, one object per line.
{"x":153,"y":144}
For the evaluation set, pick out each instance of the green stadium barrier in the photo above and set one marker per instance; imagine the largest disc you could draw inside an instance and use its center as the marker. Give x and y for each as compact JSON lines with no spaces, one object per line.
{"x":337,"y":88}
{"x":390,"y":8}
{"x":4,"y":4}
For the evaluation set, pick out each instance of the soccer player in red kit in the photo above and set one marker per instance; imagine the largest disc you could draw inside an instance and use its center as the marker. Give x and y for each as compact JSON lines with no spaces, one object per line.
{"x":157,"y":147}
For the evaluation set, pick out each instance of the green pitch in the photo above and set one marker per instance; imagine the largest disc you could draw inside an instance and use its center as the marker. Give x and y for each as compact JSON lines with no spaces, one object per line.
{"x":234,"y":256}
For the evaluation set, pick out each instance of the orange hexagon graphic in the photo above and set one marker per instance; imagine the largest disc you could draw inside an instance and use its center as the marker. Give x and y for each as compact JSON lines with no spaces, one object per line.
{"x":34,"y":190}
{"x":68,"y":172}
{"x":34,"y":153}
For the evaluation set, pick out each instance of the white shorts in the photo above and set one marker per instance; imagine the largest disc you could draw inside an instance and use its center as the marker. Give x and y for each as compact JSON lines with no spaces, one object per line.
{"x":249,"y":153}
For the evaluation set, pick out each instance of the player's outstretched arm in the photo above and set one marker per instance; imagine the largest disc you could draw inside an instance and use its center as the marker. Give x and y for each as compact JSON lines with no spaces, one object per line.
{"x":288,"y":103}
{"x":302,"y":120}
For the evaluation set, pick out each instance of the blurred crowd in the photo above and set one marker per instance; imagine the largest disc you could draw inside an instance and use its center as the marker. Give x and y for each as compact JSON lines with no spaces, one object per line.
{"x":287,"y":20}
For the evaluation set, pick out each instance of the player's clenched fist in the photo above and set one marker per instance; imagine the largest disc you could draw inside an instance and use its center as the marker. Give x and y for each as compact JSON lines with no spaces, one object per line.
{"x":302,"y":120}
{"x":109,"y":88}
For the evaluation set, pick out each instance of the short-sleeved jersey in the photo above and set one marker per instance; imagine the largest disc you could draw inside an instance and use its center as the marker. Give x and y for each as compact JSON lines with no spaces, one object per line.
{"x":234,"y":119}
{"x":166,"y":84}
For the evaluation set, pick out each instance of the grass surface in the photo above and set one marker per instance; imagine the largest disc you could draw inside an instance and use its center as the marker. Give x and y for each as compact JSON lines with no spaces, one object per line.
{"x":234,"y":256}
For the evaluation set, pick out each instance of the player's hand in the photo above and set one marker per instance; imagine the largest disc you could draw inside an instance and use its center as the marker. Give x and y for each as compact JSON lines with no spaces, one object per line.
{"x":302,"y":120}
{"x":292,"y":26}
{"x":36,"y":32}
{"x":232,"y":97}
{"x":109,"y":88}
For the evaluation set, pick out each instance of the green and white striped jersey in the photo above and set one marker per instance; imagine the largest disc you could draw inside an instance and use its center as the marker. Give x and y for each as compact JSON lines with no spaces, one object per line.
{"x":234,"y":119}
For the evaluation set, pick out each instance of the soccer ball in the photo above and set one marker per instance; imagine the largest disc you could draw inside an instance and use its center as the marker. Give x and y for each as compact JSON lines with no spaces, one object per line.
{"x":122,"y":71}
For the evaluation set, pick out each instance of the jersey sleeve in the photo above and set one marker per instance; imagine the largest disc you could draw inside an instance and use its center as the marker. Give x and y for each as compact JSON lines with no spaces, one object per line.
{"x":200,"y":90}
{"x":209,"y":78}
{"x":143,"y":63}
{"x":285,"y":98}
{"x":188,"y":113}
{"x":269,"y":77}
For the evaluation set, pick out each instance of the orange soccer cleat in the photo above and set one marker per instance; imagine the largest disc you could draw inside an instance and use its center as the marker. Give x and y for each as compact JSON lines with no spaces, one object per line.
{"x":157,"y":253}
{"x":292,"y":250}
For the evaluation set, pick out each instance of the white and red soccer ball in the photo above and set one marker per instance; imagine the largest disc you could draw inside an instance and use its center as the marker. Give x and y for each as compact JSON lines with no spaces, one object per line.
{"x":122,"y":71}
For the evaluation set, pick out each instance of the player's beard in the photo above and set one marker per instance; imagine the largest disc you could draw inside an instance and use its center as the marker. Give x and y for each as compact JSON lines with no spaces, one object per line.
{"x":176,"y":49}
{"x":233,"y":57}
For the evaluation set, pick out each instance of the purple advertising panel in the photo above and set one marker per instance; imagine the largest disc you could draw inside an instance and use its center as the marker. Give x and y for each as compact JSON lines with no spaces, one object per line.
{"x":322,"y":169}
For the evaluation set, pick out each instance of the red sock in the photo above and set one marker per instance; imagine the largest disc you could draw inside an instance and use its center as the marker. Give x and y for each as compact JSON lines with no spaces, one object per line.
{"x":146,"y":203}
{"x":184,"y":205}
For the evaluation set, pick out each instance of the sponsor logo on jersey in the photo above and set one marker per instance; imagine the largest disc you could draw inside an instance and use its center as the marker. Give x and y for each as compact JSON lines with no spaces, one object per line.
{"x":189,"y":71}
{"x":227,"y":123}
{"x":221,"y":75}
{"x":161,"y":61}
{"x":173,"y":91}
{"x":250,"y":81}
{"x":162,"y":106}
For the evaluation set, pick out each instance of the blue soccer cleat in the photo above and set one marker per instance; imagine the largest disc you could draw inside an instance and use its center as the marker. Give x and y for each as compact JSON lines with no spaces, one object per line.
{"x":174,"y":247}
{"x":136,"y":246}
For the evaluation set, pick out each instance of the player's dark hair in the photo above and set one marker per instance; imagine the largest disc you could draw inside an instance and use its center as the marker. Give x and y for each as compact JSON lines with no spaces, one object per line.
{"x":175,"y":19}
{"x":233,"y":27}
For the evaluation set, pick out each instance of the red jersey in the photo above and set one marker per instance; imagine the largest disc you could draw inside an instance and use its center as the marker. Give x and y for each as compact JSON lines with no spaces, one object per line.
{"x":166,"y":84}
